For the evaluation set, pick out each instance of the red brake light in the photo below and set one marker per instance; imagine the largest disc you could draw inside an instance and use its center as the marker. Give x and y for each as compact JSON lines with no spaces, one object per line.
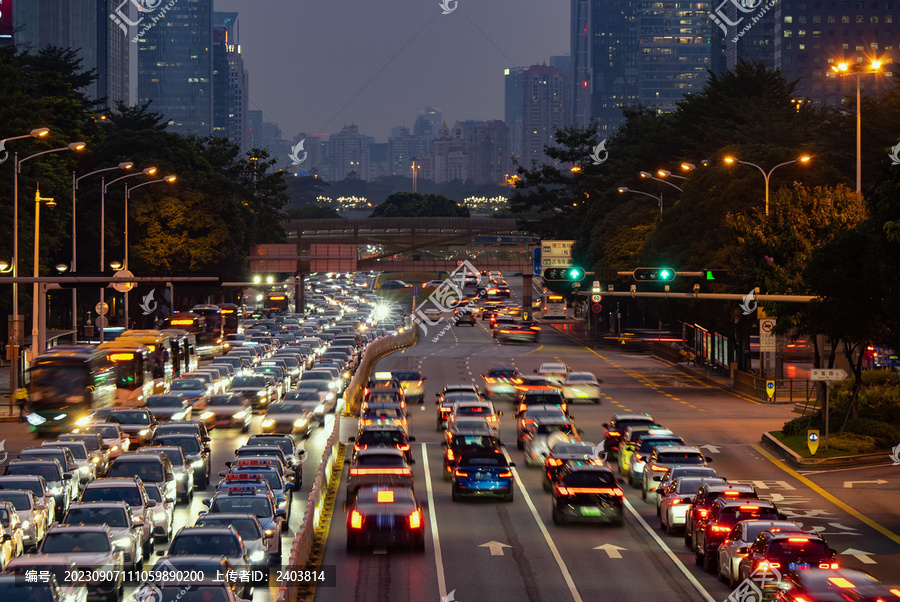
{"x":803,"y":539}
{"x":718,"y":529}
{"x":403,"y":447}
{"x":415,"y":520}
{"x":702,"y":512}
{"x":450,"y":455}
{"x":554,"y":462}
{"x":355,"y":520}
{"x":613,"y":433}
{"x":675,"y":501}
{"x":732,"y":493}
{"x":755,"y":508}
{"x":460,"y":473}
{"x":506,"y":474}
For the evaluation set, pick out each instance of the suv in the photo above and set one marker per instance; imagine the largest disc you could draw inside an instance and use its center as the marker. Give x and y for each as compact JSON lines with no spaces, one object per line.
{"x":194,"y":452}
{"x":615,"y":428}
{"x":131,"y":491}
{"x":382,"y":436}
{"x":501,"y":381}
{"x":587,"y":492}
{"x":91,"y":547}
{"x":125,"y":528}
{"x":706,"y":495}
{"x":413,"y":384}
{"x":787,"y":551}
{"x":58,"y":482}
{"x":663,"y":458}
{"x":137,"y":423}
{"x":465,"y":317}
{"x":723,"y":515}
{"x":149,"y":467}
{"x":542,"y":396}
{"x":526,"y":417}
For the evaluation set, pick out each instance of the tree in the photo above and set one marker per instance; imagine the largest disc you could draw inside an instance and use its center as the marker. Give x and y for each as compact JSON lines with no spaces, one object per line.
{"x":408,"y":204}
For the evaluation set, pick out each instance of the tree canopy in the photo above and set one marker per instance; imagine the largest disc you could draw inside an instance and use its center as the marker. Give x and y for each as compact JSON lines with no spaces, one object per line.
{"x":409,"y":204}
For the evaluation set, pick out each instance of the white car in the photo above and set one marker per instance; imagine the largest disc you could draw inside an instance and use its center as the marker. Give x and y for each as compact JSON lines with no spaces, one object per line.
{"x":555,"y":370}
{"x":675,"y":500}
{"x":476,"y":409}
{"x":432,"y":313}
{"x":112,"y":435}
{"x":581,"y":386}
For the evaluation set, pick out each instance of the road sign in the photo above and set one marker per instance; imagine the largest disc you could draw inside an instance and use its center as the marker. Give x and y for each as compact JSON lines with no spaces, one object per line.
{"x":101,"y":308}
{"x":415,"y":292}
{"x":827,"y":374}
{"x":596,"y":308}
{"x":770,"y":389}
{"x":123,"y":287}
{"x":596,"y":298}
{"x":767,"y":338}
{"x":101,"y":322}
{"x":812,"y":440}
{"x":459,"y":262}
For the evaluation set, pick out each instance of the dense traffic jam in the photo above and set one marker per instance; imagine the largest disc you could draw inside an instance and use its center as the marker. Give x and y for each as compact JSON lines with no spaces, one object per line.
{"x":81,"y":514}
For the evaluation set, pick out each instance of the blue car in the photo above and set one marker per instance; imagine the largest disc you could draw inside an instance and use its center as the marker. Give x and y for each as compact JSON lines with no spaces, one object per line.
{"x":480,"y":474}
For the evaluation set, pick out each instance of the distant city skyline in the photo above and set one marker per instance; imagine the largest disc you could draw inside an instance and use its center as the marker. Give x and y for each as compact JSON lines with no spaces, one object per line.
{"x":393,"y":59}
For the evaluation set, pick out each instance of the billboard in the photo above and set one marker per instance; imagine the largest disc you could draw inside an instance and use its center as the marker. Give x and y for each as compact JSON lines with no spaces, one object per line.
{"x":6,"y":19}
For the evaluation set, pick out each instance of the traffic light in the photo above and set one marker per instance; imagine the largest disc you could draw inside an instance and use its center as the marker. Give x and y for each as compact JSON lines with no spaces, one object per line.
{"x":654,"y":274}
{"x":717,"y":275}
{"x":570,"y":274}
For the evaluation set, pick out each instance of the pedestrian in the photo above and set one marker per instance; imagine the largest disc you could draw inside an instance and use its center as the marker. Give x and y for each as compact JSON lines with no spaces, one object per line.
{"x":20,"y":396}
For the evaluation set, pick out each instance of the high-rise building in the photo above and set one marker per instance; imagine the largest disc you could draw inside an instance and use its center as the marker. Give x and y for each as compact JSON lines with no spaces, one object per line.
{"x":428,"y":122}
{"x":675,"y":51}
{"x":348,"y":154}
{"x":400,"y":151}
{"x":81,"y":25}
{"x":546,"y":108}
{"x":604,"y":61}
{"x":513,"y":102}
{"x":488,"y":144}
{"x":230,"y":81}
{"x":811,"y":37}
{"x":562,"y":61}
{"x":175,"y":67}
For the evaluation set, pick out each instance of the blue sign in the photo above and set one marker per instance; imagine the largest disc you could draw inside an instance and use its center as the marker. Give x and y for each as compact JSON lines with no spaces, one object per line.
{"x":415,"y":291}
{"x":537,"y":261}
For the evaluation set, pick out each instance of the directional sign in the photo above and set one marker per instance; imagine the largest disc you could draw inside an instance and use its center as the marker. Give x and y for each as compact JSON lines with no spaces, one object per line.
{"x":495,"y":547}
{"x":860,"y":555}
{"x":827,"y":374}
{"x":812,"y":440}
{"x":596,"y":298}
{"x":415,"y":292}
{"x":613,"y":551}
{"x":770,"y":388}
{"x":849,"y":484}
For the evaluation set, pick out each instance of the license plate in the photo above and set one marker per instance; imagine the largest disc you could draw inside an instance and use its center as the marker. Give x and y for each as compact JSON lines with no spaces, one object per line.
{"x":795,"y":566}
{"x":590,"y":511}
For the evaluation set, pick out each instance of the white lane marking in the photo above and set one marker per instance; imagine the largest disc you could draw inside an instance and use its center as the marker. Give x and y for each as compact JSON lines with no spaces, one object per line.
{"x":668,"y":551}
{"x":553,"y":549}
{"x":432,"y":517}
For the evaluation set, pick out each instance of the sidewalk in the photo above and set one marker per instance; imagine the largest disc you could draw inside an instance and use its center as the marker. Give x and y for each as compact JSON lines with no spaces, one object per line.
{"x":577,"y":330}
{"x":7,"y":413}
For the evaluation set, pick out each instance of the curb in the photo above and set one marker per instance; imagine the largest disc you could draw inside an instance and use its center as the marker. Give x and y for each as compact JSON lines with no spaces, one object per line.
{"x":794,"y":459}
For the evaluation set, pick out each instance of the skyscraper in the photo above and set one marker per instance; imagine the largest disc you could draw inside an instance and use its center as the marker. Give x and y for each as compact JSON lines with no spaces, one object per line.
{"x":175,"y":67}
{"x":488,"y":143}
{"x":513,"y":102}
{"x":230,"y":96}
{"x":604,"y":61}
{"x":546,"y":107}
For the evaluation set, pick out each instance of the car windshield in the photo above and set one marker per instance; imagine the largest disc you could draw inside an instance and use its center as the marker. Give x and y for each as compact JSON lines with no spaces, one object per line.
{"x":188,"y":544}
{"x":50,"y":472}
{"x":256,"y":506}
{"x":154,"y":493}
{"x":226,"y":401}
{"x":150,"y":470}
{"x":680,"y":458}
{"x":730,"y":516}
{"x":549,"y":429}
{"x":574,"y":448}
{"x":32,"y":485}
{"x":247,"y":528}
{"x":78,"y":452}
{"x":164,"y":402}
{"x":473,"y":411}
{"x":271,"y":476}
{"x":539,"y":398}
{"x":188,"y":384}
{"x":493,"y":460}
{"x":4,"y":517}
{"x":381,"y":438}
{"x":385,"y":413}
{"x":19,"y":500}
{"x":107,"y":432}
{"x":503,"y":372}
{"x":647,"y":445}
{"x":379,"y":460}
{"x":249,"y":381}
{"x":797,"y":548}
{"x":473,"y":441}
{"x":31,"y":592}
{"x":189,"y":445}
{"x":590,"y":478}
{"x":407,"y":375}
{"x":72,"y":542}
{"x":581,"y":378}
{"x":286,"y":408}
{"x":114,"y":517}
{"x":129,"y":494}
{"x":129,"y":417}
{"x":303,"y":395}
{"x":286,"y":446}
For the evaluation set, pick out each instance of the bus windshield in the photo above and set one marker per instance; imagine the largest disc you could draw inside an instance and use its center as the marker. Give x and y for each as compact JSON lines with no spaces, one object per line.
{"x":57,"y":386}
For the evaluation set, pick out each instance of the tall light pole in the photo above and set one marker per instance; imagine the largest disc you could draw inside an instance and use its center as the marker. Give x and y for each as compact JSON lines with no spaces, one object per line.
{"x":17,"y":168}
{"x":624,"y":189}
{"x":123,"y":166}
{"x":857,"y":69}
{"x":650,"y":176}
{"x":148,"y":171}
{"x":37,"y":342}
{"x":802,"y":159}
{"x":168,"y":179}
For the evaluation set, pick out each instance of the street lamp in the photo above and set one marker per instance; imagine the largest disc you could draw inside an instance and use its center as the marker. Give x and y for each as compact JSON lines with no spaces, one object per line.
{"x":116,"y":265}
{"x":857,"y":69}
{"x":17,"y":168}
{"x":665,"y":173}
{"x":37,"y":341}
{"x":5,"y":267}
{"x":802,"y":159}
{"x":167,"y":179}
{"x":123,"y":166}
{"x":648,"y":175}
{"x":147,"y":171}
{"x":624,"y":189}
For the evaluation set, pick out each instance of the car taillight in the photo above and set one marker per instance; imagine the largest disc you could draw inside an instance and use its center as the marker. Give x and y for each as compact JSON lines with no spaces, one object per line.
{"x":522,"y":407}
{"x":355,"y":520}
{"x":719,"y":529}
{"x":415,"y":520}
{"x":490,"y":380}
{"x":554,"y":462}
{"x":403,"y":448}
{"x":420,"y":383}
{"x":828,"y":565}
{"x":505,"y":474}
{"x":613,"y":433}
{"x":765,"y":565}
{"x":460,"y":473}
{"x":675,"y":502}
{"x":638,"y":457}
{"x":450,"y":455}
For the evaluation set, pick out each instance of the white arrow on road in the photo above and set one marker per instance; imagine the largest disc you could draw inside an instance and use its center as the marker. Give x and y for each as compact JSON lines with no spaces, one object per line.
{"x":495,"y":546}
{"x":860,"y":555}
{"x":712,"y":448}
{"x":611,"y":549}
{"x":849,"y":484}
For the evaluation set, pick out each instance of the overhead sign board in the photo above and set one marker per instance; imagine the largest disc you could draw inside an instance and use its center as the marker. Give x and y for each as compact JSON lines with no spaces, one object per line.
{"x":556,"y":253}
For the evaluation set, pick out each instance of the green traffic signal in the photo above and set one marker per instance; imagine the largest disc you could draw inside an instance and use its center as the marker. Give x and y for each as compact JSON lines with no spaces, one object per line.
{"x":569,"y":274}
{"x":654,"y":274}
{"x":576,"y":274}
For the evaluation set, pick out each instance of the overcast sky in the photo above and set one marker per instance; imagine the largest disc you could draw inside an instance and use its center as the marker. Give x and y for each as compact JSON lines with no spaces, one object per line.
{"x":316,"y":65}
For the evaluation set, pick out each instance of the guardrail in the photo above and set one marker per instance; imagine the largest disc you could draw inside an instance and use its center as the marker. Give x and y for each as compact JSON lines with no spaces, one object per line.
{"x":304,"y":542}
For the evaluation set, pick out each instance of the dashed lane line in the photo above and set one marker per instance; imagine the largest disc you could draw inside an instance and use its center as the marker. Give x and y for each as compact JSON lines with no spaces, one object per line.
{"x":432,"y":517}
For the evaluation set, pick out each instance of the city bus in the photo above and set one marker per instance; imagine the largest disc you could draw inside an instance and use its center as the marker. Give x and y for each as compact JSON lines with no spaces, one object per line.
{"x":207,"y":330}
{"x":67,"y":384}
{"x":134,"y":371}
{"x":184,"y":351}
{"x":553,"y":306}
{"x":213,"y":328}
{"x":231,"y":318}
{"x":160,"y":346}
{"x":277,"y":300}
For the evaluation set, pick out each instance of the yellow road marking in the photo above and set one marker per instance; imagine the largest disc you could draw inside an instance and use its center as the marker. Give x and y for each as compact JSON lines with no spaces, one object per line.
{"x":532,"y":351}
{"x":848,"y":509}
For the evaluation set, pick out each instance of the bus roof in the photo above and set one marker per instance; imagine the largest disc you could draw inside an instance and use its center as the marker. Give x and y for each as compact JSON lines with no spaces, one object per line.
{"x":70,"y":352}
{"x":144,"y":336}
{"x":131,"y":345}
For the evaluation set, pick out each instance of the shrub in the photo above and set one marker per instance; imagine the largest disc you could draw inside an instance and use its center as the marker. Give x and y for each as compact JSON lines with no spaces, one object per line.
{"x":799,"y":425}
{"x":884,"y":435}
{"x":853,"y":443}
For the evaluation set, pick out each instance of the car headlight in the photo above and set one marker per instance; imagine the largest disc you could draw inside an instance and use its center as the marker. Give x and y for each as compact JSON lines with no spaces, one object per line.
{"x":144,"y":432}
{"x":267,"y":422}
{"x":320,"y":409}
{"x":122,"y":542}
{"x":95,"y":460}
{"x":179,"y":415}
{"x":329,"y":395}
{"x":83,"y":420}
{"x":35,"y":420}
{"x":239,"y":415}
{"x":207,"y":415}
{"x":197,"y":463}
{"x":261,"y":393}
{"x":300,"y":422}
{"x":26,"y":524}
{"x":257,"y":555}
{"x":113,"y":448}
{"x":55,"y":490}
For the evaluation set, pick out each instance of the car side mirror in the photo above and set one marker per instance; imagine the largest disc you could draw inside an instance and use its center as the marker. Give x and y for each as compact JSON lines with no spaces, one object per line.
{"x":657,"y":478}
{"x":782,"y":516}
{"x":351,"y":439}
{"x":207,"y":502}
{"x":137,"y":522}
{"x":499,"y":413}
{"x":512,"y":464}
{"x":707,"y":458}
{"x":281,"y":513}
{"x":104,"y":447}
{"x":605,"y":425}
{"x":160,"y":552}
{"x":151,"y":504}
{"x":412,"y":439}
{"x":67,"y":476}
